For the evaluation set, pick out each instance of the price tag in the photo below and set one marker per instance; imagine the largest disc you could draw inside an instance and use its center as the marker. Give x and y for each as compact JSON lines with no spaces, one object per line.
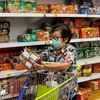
{"x":47,"y":42}
{"x":55,"y":15}
{"x":85,"y":63}
{"x":8,"y":75}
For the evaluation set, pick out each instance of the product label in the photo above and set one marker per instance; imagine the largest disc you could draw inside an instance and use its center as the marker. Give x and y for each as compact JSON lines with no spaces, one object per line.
{"x":34,"y":57}
{"x":28,"y":65}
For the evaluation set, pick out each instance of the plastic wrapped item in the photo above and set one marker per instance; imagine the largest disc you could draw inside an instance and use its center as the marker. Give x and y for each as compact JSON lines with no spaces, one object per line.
{"x":80,"y":54}
{"x":2,"y":7}
{"x":4,"y":38}
{"x":4,"y":31}
{"x":96,"y":68}
{"x":5,"y":24}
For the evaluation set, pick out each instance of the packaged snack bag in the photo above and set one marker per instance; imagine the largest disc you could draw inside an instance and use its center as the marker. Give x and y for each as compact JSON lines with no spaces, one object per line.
{"x":87,"y":70}
{"x":89,"y":53}
{"x":80,"y":54}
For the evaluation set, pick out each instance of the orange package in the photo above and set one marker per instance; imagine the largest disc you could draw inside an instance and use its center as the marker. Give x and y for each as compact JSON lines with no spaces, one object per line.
{"x":41,"y":8}
{"x":75,"y":33}
{"x":89,"y":32}
{"x":71,"y":9}
{"x":96,"y":68}
{"x":6,"y":66}
{"x":43,"y":35}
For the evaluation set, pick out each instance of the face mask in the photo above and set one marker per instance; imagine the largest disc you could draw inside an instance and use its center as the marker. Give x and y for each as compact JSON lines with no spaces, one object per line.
{"x":56,"y":44}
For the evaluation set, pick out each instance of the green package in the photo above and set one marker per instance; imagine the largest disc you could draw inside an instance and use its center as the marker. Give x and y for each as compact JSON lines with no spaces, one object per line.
{"x":21,"y":8}
{"x":80,"y":54}
{"x":2,"y":7}
{"x":89,"y":53}
{"x":30,"y":7}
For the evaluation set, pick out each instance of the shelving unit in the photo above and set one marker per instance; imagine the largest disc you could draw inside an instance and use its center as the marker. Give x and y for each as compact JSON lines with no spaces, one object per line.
{"x":92,"y":77}
{"x":21,"y":15}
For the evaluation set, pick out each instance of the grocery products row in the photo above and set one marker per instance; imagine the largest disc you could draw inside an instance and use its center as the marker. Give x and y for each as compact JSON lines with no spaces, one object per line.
{"x":87,"y":49}
{"x":31,"y":6}
{"x":9,"y":58}
{"x":86,"y":29}
{"x":89,"y":90}
{"x":87,"y":70}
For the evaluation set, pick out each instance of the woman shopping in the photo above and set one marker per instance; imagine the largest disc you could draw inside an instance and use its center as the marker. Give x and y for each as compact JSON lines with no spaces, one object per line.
{"x":62,"y":53}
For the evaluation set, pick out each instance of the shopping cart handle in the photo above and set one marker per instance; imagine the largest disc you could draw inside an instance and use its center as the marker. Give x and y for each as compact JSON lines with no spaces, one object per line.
{"x":23,"y":91}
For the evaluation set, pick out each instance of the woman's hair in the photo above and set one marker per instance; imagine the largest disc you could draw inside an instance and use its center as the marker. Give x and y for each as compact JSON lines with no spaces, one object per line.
{"x":65,"y":31}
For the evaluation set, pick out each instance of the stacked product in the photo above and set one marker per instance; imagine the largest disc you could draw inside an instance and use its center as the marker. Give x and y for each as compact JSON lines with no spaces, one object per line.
{"x":4,"y":31}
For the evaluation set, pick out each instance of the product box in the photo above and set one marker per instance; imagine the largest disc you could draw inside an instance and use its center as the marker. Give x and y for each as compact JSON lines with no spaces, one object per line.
{"x":96,"y":68}
{"x":89,"y":32}
{"x":80,"y":45}
{"x":87,"y":70}
{"x":80,"y":54}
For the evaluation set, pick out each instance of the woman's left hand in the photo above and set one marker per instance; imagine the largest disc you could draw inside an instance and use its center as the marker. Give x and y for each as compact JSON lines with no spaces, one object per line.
{"x":39,"y":66}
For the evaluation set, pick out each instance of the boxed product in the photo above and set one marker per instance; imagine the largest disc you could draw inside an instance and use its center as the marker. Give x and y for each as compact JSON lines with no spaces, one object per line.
{"x":93,"y":85}
{"x":89,"y":32}
{"x":96,"y":68}
{"x":80,"y":45}
{"x":28,"y":57}
{"x":80,"y":54}
{"x":87,"y":70}
{"x":84,"y":93}
{"x":89,"y":53}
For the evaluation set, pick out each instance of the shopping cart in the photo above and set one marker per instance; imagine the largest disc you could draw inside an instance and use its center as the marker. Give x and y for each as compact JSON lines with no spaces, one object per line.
{"x":39,"y":86}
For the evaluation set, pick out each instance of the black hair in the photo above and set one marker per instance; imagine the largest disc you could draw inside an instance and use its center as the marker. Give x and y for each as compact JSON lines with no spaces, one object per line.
{"x":65,"y":31}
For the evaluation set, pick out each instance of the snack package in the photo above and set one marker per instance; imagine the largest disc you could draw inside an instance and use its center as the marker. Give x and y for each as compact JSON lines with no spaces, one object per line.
{"x":97,"y":51}
{"x":41,"y":8}
{"x":80,"y":45}
{"x":28,"y":57}
{"x":75,"y":33}
{"x":54,"y":8}
{"x":4,"y":31}
{"x":89,"y":32}
{"x":96,"y":68}
{"x":6,"y":66}
{"x":80,"y":54}
{"x":71,"y":9}
{"x":27,"y":38}
{"x":89,"y":53}
{"x":2,"y":4}
{"x":5,"y":24}
{"x":87,"y":70}
{"x":4,"y":38}
{"x":81,"y":23}
{"x":43,"y":35}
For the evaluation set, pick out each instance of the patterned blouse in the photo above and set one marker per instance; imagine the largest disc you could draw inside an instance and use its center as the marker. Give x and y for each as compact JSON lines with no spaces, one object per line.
{"x":68,"y":54}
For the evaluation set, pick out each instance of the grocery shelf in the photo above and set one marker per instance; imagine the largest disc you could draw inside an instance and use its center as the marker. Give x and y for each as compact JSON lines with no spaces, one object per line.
{"x":85,"y":39}
{"x":11,"y":73}
{"x":21,"y":15}
{"x":65,"y":15}
{"x":20,"y":44}
{"x":93,"y":16}
{"x":92,"y":77}
{"x":89,"y":61}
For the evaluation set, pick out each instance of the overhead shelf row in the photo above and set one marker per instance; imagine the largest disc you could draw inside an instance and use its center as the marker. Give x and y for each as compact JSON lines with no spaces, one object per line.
{"x":46,"y":15}
{"x":20,"y":44}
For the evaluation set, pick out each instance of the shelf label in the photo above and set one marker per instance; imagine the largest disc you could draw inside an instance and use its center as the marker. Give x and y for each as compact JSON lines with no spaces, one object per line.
{"x":55,"y":15}
{"x":85,"y":62}
{"x":8,"y":75}
{"x":47,"y":42}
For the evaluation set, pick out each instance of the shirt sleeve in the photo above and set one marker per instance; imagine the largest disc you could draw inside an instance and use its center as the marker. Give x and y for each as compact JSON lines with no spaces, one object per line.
{"x":71,"y":56}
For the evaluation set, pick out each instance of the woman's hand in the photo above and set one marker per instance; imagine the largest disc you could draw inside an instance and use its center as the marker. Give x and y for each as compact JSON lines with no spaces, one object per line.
{"x":39,"y":66}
